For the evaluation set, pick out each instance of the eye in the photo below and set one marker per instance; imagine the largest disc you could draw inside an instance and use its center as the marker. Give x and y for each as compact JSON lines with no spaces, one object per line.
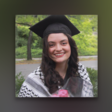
{"x":51,"y":45}
{"x":64,"y":43}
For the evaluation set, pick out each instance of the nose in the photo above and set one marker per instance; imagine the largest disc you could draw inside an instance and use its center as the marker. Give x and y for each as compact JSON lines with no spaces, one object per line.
{"x":58,"y":47}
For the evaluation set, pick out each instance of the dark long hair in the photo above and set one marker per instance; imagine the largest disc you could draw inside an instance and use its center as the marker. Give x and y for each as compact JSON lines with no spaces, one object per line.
{"x":51,"y":77}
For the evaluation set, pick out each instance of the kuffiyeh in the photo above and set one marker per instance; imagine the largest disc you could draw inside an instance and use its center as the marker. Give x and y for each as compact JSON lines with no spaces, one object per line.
{"x":34,"y":86}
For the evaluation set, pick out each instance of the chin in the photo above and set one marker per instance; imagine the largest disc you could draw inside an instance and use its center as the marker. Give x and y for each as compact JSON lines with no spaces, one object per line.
{"x":60,"y":61}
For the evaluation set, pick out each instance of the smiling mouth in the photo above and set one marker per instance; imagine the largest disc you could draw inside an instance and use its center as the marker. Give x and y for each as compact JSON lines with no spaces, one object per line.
{"x":59,"y":55}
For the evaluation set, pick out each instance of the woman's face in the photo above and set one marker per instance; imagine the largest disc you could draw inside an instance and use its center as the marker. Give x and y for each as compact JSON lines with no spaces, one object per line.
{"x":59,"y":47}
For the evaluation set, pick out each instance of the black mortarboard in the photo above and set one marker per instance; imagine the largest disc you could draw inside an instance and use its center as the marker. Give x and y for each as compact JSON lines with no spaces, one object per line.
{"x":54,"y":24}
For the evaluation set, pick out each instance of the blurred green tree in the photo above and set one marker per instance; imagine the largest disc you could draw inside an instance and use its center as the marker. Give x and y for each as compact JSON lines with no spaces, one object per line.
{"x":23,"y":22}
{"x":86,"y":41}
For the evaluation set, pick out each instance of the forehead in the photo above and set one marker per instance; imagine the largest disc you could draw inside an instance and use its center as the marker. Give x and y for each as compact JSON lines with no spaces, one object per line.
{"x":57,"y":37}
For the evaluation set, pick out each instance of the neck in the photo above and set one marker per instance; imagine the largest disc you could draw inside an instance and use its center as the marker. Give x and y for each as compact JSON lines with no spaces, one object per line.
{"x":61,"y":68}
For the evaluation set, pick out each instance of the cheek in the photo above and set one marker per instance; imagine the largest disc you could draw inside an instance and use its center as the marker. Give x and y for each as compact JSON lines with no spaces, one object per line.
{"x":68,"y":49}
{"x":50,"y":50}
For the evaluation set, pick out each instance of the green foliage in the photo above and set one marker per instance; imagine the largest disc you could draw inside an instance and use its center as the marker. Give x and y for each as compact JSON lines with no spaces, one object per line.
{"x":34,"y":45}
{"x":36,"y":53}
{"x":20,"y":42}
{"x":86,"y":41}
{"x":94,"y":79}
{"x":38,"y":43}
{"x":23,"y":31}
{"x":19,"y":79}
{"x":21,"y":52}
{"x":29,"y":20}
{"x":84,"y":23}
{"x":22,"y":34}
{"x":23,"y":23}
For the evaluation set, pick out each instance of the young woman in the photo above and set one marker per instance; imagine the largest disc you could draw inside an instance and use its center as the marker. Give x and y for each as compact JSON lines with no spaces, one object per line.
{"x":60,"y":68}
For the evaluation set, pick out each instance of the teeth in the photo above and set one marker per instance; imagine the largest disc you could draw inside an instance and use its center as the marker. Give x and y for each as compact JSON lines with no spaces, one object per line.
{"x":59,"y":54}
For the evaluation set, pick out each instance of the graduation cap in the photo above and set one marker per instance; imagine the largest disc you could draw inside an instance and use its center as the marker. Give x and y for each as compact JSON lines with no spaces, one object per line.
{"x":54,"y":24}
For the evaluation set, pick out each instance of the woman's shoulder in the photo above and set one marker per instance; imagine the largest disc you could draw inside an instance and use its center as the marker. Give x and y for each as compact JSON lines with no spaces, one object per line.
{"x":32,"y":83}
{"x":37,"y":73}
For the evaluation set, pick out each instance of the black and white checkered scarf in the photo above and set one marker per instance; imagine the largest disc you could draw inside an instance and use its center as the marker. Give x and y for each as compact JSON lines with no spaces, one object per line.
{"x":34,"y":86}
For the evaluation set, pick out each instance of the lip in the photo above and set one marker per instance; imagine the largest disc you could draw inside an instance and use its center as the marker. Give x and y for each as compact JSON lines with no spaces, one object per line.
{"x":62,"y":54}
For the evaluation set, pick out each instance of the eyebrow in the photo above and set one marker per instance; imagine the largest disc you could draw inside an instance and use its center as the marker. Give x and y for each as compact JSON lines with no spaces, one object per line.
{"x":60,"y":41}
